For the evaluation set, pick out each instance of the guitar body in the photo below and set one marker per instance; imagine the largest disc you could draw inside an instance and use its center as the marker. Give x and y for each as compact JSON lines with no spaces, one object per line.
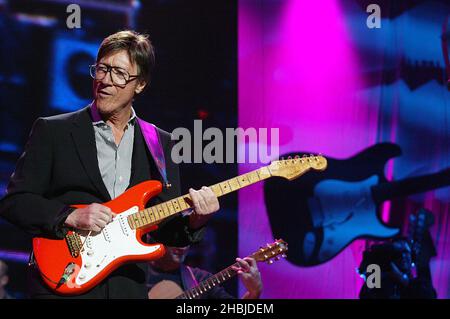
{"x":103,"y":251}
{"x":165,"y":289}
{"x":325,"y":212}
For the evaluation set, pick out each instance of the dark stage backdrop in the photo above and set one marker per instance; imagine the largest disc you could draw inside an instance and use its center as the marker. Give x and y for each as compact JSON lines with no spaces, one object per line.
{"x":44,"y":71}
{"x":334,"y":86}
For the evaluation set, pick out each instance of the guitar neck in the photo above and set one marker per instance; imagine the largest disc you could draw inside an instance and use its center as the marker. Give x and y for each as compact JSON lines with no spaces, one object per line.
{"x":153,"y":215}
{"x":208,"y":284}
{"x":409,"y":186}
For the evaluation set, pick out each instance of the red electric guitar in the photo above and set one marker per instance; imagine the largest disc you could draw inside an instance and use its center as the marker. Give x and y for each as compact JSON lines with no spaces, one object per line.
{"x":83,"y":259}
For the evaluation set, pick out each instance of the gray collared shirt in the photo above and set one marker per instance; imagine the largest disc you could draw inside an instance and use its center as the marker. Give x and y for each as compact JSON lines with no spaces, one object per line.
{"x":114,"y":161}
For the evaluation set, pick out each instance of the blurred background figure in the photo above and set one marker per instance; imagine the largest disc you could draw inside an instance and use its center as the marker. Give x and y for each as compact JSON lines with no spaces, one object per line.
{"x":4,"y":279}
{"x":399,"y":277}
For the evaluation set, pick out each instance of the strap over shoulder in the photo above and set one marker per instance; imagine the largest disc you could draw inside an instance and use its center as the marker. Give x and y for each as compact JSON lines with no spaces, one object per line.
{"x":153,"y":142}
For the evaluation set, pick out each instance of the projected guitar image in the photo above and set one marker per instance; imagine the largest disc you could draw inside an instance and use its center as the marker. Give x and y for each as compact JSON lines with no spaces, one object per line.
{"x":323,"y":213}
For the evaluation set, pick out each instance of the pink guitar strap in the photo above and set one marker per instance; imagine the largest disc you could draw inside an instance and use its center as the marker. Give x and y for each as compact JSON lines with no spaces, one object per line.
{"x":153,"y":143}
{"x":187,"y":277}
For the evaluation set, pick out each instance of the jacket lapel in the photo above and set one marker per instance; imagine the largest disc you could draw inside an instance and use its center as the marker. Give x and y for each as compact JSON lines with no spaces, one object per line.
{"x":84,"y":139}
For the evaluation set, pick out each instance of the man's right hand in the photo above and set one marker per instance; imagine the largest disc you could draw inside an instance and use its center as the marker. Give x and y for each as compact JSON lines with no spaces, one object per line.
{"x":92,"y":217}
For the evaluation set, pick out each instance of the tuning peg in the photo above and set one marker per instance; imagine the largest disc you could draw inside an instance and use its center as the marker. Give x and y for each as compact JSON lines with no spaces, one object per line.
{"x":270,"y":262}
{"x":277,"y":258}
{"x":284,"y":256}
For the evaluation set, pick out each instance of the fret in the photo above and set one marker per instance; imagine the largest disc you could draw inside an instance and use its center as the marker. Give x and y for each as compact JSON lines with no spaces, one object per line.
{"x":182,"y":203}
{"x":131,"y":222}
{"x":264,"y":173}
{"x":160,"y":211}
{"x":175,"y":205}
{"x":165,"y":209}
{"x":243,"y":180}
{"x":155,"y":213}
{"x":187,"y":200}
{"x":234,"y":184}
{"x":137,"y":220}
{"x":216,"y":190}
{"x":145,"y":217}
{"x":170,"y":206}
{"x":253,"y":177}
{"x":150,"y":215}
{"x":258,"y":173}
{"x":225,"y":187}
{"x":140,"y":217}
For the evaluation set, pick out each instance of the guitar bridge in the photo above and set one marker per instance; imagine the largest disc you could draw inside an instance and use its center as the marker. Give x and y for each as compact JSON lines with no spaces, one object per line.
{"x":74,"y":243}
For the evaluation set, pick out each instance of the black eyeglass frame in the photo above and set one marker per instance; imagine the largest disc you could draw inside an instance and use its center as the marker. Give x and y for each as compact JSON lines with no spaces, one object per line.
{"x":109,"y":68}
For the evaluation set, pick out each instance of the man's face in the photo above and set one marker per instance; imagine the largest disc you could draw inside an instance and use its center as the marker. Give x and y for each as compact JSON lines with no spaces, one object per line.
{"x":110,"y":97}
{"x":176,"y":254}
{"x":172,"y":259}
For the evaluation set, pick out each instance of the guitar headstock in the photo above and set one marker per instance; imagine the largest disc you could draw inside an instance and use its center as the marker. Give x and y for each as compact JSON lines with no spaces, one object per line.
{"x":292,"y":168}
{"x":274,"y":250}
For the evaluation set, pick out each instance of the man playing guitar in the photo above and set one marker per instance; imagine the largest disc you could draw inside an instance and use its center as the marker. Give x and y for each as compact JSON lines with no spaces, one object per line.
{"x":92,"y":156}
{"x":169,"y":277}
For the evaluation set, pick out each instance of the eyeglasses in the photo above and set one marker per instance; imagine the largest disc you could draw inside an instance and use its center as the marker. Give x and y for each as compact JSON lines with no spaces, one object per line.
{"x":119,"y":76}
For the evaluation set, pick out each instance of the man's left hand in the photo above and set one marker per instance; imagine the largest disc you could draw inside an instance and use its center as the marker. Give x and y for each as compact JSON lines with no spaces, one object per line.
{"x":205,"y":203}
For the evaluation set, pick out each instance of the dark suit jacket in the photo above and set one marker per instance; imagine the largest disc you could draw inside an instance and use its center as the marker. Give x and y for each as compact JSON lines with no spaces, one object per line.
{"x":59,"y":167}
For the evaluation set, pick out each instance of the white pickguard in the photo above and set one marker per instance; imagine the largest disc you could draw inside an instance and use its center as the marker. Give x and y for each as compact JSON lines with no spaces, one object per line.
{"x":117,"y":239}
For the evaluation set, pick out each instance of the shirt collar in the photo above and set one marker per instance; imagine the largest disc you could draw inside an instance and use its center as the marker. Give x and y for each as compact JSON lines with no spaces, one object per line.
{"x":97,"y":119}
